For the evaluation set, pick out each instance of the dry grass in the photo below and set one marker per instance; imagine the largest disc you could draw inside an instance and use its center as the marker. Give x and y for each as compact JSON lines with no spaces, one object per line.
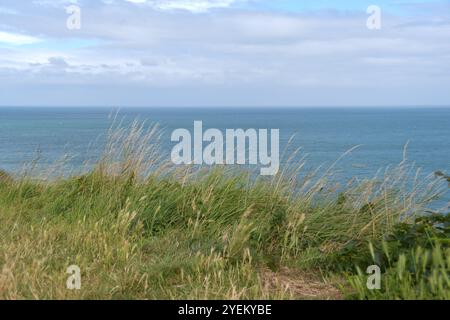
{"x":141,"y":229}
{"x":302,"y":285}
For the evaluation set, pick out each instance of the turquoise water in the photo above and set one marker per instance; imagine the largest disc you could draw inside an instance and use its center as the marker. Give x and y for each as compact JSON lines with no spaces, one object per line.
{"x":324,"y":134}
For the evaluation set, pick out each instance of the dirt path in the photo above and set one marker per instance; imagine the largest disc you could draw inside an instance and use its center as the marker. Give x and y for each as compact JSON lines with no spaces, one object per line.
{"x":301,"y":285}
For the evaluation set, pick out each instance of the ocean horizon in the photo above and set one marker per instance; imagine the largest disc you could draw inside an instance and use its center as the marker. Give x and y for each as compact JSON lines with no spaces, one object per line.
{"x":382,"y":137}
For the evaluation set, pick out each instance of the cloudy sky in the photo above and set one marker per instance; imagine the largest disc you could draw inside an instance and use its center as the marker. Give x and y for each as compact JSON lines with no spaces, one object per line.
{"x":224,"y":53}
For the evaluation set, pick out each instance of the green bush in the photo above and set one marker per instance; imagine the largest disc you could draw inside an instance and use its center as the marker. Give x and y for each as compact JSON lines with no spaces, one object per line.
{"x":415,"y":259}
{"x":415,"y":275}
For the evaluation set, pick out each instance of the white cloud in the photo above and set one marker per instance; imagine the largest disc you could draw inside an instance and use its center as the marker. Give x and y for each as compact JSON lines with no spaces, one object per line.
{"x":17,"y":39}
{"x":55,"y":3}
{"x":240,"y":50}
{"x":194,"y":6}
{"x":4,"y":10}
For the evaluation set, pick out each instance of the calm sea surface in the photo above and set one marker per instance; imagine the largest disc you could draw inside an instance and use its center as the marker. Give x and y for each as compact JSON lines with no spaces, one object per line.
{"x":323,"y":134}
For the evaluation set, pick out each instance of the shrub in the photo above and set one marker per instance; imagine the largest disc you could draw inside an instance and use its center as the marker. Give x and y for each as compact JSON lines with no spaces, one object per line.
{"x":418,"y":274}
{"x":415,"y":259}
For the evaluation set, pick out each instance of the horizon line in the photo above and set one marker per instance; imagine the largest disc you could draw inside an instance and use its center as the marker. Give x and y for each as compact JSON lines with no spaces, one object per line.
{"x":232,"y":106}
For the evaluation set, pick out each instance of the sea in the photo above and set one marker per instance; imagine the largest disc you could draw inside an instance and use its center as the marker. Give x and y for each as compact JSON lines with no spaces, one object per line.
{"x":378,"y":137}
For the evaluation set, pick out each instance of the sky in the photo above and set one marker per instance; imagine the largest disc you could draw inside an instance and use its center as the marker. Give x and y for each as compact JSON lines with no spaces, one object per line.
{"x":224,"y":53}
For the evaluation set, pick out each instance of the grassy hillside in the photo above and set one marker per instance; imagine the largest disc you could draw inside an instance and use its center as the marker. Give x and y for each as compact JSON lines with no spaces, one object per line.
{"x":208,"y":234}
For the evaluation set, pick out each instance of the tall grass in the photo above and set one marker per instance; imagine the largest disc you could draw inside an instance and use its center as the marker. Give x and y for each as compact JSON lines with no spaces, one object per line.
{"x":140,"y":228}
{"x":421,"y":274}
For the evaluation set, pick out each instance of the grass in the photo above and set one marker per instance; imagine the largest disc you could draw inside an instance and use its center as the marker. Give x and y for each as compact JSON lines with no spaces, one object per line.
{"x":142,"y":229}
{"x":421,"y":274}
